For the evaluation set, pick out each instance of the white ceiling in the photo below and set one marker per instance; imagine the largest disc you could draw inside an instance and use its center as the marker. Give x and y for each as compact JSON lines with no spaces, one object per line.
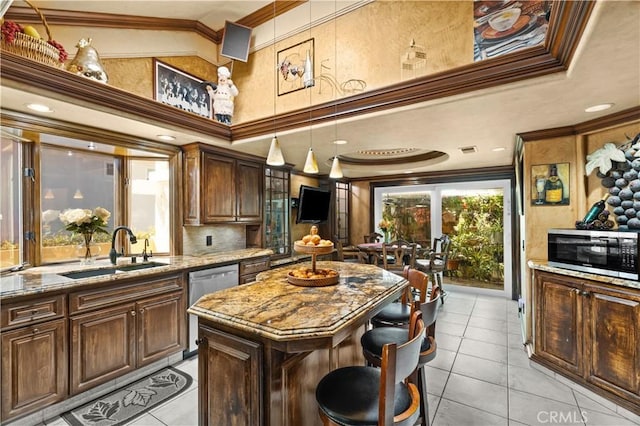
{"x":605,"y":69}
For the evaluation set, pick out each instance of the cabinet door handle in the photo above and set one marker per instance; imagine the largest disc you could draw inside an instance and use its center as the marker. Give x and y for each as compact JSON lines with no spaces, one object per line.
{"x":576,"y":291}
{"x":199,"y":341}
{"x":133,"y":313}
{"x":141,"y":311}
{"x":36,"y":330}
{"x":585,"y":293}
{"x":34,"y":311}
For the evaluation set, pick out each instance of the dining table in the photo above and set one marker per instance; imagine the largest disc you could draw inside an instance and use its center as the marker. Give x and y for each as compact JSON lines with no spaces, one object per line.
{"x":374,"y":251}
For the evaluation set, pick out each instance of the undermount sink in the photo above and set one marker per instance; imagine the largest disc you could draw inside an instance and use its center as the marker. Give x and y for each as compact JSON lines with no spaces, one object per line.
{"x":136,"y":266}
{"x":76,"y":275}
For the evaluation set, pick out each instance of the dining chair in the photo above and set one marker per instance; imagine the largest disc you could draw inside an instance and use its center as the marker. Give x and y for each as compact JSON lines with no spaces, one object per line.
{"x":373,"y":237}
{"x":435,"y":261}
{"x":385,"y":396}
{"x":351,"y":256}
{"x":398,"y":254}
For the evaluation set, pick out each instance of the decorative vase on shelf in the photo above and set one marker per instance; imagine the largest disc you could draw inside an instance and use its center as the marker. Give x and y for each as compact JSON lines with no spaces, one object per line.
{"x":87,"y":251}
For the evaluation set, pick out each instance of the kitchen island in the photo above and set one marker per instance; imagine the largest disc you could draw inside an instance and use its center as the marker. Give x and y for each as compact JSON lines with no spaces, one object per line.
{"x":264,"y":346}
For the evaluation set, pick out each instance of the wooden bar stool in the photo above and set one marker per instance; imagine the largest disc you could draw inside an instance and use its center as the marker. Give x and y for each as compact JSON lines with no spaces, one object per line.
{"x":397,"y":314}
{"x":360,"y":395}
{"x":374,"y":340}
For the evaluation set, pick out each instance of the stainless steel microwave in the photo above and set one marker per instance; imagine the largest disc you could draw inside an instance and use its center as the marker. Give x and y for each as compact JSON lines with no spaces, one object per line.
{"x":610,"y":253}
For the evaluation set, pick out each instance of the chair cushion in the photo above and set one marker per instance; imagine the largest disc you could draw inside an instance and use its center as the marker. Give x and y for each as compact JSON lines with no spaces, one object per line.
{"x":350,"y":395}
{"x":394,"y":313}
{"x":373,"y":340}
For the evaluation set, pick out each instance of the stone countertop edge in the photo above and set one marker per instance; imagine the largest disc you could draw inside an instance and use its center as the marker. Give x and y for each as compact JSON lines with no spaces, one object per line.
{"x":43,"y":279}
{"x":542,"y":265}
{"x":276,"y":310}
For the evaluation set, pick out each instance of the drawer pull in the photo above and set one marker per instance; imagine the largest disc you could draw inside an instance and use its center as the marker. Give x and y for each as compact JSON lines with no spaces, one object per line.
{"x":133,"y":313}
{"x":36,"y":330}
{"x":34,"y":312}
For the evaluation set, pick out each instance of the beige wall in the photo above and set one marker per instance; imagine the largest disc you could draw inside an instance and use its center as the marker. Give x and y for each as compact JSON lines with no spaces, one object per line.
{"x":359,"y":220}
{"x":366,"y":44}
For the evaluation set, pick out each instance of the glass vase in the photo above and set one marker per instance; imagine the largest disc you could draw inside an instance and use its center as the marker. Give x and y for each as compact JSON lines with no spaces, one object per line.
{"x":87,"y":251}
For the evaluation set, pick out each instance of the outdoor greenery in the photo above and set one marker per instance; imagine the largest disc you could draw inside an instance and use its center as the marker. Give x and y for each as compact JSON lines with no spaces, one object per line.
{"x":477,"y":238}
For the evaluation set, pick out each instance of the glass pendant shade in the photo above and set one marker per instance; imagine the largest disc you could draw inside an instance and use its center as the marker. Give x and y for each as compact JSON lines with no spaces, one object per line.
{"x":275,"y":157}
{"x":311,"y":165}
{"x":336,"y":169}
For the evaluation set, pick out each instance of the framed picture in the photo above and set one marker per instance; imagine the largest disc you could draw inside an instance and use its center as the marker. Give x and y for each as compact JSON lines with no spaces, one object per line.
{"x":181,"y":90}
{"x":550,"y":184}
{"x":295,"y":67}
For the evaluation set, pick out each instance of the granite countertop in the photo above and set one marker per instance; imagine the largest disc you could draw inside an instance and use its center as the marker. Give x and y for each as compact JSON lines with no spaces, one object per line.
{"x":542,"y":265}
{"x":276,"y":310}
{"x":44,"y":279}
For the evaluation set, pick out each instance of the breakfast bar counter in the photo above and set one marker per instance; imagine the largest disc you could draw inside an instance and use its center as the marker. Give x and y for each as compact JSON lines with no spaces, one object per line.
{"x":264,"y":346}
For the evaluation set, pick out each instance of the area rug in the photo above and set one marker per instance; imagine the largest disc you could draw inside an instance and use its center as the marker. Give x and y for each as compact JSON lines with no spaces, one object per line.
{"x":131,"y":401}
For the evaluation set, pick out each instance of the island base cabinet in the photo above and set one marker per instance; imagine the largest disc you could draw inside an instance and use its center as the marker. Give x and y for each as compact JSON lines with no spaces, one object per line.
{"x":590,"y":332}
{"x":243,"y":382}
{"x":34,"y":367}
{"x":230,"y":375}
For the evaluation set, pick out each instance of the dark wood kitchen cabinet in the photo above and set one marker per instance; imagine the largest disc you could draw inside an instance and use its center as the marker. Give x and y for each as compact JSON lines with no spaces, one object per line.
{"x":115,"y":330}
{"x":590,"y":332}
{"x":221,"y":189}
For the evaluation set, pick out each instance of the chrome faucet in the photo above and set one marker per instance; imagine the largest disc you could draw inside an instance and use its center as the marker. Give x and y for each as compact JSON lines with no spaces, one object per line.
{"x":113,"y":254}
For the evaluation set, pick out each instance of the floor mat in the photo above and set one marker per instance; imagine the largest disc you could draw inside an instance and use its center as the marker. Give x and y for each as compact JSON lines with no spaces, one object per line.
{"x":125,"y":404}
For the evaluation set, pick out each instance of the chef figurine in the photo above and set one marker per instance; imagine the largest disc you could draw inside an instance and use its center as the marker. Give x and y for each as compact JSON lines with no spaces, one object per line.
{"x":222,"y":96}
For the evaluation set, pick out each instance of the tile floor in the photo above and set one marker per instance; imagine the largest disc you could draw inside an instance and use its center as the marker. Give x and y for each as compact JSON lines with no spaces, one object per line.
{"x":481,"y":376}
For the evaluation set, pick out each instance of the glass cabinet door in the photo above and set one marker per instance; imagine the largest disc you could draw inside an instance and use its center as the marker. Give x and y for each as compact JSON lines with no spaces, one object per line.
{"x":276,"y":211}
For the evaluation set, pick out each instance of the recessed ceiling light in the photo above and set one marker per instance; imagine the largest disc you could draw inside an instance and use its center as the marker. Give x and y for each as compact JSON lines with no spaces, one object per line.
{"x":498,"y":149}
{"x":600,"y":107}
{"x":166,"y":137}
{"x":340,"y":142}
{"x":39,"y":107}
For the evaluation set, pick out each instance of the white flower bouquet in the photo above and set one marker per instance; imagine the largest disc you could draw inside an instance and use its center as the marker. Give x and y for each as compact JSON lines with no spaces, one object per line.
{"x":85,"y":221}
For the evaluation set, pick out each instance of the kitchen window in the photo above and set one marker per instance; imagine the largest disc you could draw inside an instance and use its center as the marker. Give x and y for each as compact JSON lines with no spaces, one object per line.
{"x":47,"y":174}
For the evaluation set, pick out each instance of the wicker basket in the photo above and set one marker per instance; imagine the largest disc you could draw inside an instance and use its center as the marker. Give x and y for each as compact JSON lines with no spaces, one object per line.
{"x":33,"y":48}
{"x":314,"y":282}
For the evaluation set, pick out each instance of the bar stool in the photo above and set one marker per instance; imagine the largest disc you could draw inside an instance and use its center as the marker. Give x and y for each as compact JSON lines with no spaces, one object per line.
{"x":397,"y":314}
{"x":374,"y":340}
{"x":359,"y":395}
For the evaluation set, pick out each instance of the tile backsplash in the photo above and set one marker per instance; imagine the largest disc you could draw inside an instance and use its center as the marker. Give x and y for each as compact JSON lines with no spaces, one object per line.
{"x":224,"y":238}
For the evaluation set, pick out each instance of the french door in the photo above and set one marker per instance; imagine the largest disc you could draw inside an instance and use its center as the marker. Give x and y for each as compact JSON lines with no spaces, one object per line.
{"x":477,"y":217}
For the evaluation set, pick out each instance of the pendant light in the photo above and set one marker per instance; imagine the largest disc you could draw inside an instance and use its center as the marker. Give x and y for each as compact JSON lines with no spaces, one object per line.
{"x":336,"y":169}
{"x":275,"y":157}
{"x":311,"y":165}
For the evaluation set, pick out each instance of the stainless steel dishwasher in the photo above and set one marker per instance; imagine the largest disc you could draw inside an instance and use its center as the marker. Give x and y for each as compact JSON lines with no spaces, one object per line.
{"x":203,"y":282}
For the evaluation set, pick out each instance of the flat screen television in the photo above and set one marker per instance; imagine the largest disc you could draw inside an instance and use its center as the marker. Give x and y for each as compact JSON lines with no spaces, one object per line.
{"x":314,"y":205}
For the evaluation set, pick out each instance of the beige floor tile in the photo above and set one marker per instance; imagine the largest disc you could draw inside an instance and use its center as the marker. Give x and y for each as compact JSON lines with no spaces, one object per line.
{"x":486,"y":335}
{"x":450,"y":327}
{"x":536,"y":410}
{"x":595,"y":418}
{"x":453,"y":317}
{"x":443,"y":360}
{"x":182,"y":410}
{"x":484,"y":350}
{"x":146,"y":420}
{"x":447,"y":341}
{"x":518,"y":357}
{"x":527,"y":379}
{"x":451,"y":413}
{"x":495,"y":324}
{"x":477,"y":393}
{"x":436,"y":380}
{"x":482,"y":369}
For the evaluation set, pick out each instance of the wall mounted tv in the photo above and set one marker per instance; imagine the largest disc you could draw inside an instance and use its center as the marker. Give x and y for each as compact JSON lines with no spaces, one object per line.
{"x":314,"y":205}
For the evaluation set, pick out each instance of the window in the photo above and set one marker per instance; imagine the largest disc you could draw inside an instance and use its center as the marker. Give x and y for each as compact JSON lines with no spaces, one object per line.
{"x":149,"y":207}
{"x":10,"y":201}
{"x":45,"y":174}
{"x":74,"y":179}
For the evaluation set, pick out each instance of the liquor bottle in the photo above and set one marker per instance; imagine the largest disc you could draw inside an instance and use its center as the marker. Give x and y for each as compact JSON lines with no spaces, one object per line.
{"x":553,"y":188}
{"x":595,"y":210}
{"x":307,"y":77}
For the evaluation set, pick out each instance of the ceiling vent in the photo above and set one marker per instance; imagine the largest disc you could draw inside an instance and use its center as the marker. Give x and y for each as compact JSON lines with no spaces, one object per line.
{"x":468,"y":149}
